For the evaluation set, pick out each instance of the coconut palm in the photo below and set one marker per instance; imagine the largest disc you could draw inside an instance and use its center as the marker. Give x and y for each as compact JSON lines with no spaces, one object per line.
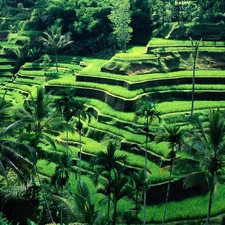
{"x":13,"y":153}
{"x":173,"y":135}
{"x":54,"y":40}
{"x":42,"y":125}
{"x":146,"y":108}
{"x":206,"y":149}
{"x":44,"y":122}
{"x":108,"y":165}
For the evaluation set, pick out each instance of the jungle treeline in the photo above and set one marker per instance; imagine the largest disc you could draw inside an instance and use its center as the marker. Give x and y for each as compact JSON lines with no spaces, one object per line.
{"x":91,"y":29}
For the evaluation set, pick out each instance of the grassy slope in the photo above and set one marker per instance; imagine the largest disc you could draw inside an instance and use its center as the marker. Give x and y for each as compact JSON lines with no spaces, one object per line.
{"x":32,"y":75}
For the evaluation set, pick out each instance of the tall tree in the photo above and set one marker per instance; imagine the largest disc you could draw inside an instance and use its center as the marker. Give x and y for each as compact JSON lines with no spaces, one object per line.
{"x":108,"y":165}
{"x":86,"y":209}
{"x":66,"y":105}
{"x":206,"y":149}
{"x":54,"y":40}
{"x":120,"y":17}
{"x":43,"y":123}
{"x":121,"y":187}
{"x":80,"y":111}
{"x":195,"y":51}
{"x":138,"y":183}
{"x":172,"y":135}
{"x":13,"y":154}
{"x":147,"y":109}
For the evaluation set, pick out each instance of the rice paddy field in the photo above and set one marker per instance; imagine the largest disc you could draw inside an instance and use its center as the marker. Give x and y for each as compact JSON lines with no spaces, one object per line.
{"x":112,"y":121}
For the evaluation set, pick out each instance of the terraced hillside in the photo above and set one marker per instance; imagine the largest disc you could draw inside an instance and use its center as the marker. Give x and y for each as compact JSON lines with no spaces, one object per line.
{"x":161,"y":70}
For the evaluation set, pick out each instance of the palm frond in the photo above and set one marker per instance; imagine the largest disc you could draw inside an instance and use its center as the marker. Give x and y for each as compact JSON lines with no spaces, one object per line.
{"x":194,"y":179}
{"x":68,"y":211}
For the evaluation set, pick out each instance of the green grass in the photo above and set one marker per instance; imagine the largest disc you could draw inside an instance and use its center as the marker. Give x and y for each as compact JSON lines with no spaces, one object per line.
{"x":176,"y":43}
{"x":185,"y":106}
{"x":14,"y":38}
{"x":123,"y":134}
{"x":183,"y":87}
{"x":192,"y":208}
{"x":188,"y":49}
{"x":21,"y":87}
{"x":5,"y":44}
{"x":112,"y":89}
{"x":40,"y":65}
{"x":105,"y":109}
{"x":46,"y":168}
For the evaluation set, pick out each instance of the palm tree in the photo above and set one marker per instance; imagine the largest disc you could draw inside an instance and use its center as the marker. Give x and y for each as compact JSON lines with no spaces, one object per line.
{"x":195,"y":51}
{"x":147,"y":109}
{"x":138,"y":183}
{"x":66,"y":104}
{"x":108,"y":165}
{"x":80,"y":111}
{"x":60,"y":178}
{"x":173,"y":135}
{"x":54,"y":40}
{"x":43,"y":123}
{"x":121,"y":187}
{"x":13,"y":153}
{"x":206,"y":149}
{"x":85,"y":207}
{"x":64,"y":166}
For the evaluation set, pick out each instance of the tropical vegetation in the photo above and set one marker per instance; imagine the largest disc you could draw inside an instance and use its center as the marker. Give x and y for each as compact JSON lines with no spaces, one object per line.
{"x":111,"y":112}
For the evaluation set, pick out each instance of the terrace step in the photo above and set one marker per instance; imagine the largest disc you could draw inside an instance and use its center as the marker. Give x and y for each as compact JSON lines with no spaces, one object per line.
{"x":151,"y":82}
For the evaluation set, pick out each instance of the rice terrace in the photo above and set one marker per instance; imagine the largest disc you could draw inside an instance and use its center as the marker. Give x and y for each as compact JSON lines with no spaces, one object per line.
{"x":112,"y":112}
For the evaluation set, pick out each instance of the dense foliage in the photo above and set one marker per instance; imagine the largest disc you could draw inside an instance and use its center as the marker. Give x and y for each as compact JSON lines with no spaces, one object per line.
{"x":67,"y":159}
{"x":91,"y":29}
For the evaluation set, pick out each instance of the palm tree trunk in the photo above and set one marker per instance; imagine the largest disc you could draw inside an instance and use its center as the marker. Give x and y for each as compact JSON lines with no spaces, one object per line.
{"x":168,"y":189}
{"x":109,"y":192}
{"x":67,"y":139}
{"x":114,"y":213}
{"x":194,"y":55}
{"x":136,"y":202}
{"x":44,"y":196}
{"x":193,"y":88}
{"x":209,"y":207}
{"x":56,"y":62}
{"x":145,"y":172}
{"x":80,"y":157}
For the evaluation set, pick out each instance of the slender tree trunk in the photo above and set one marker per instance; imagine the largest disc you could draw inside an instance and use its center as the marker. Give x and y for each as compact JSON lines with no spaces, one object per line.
{"x":61,"y":210}
{"x":109,"y":192}
{"x":67,"y":137}
{"x":209,"y":207}
{"x":193,"y":89}
{"x":145,"y":172}
{"x":80,"y":156}
{"x":114,"y":213}
{"x":136,"y":200}
{"x":168,"y":188}
{"x":164,"y":12}
{"x":56,"y":62}
{"x":194,"y":55}
{"x":44,"y":196}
